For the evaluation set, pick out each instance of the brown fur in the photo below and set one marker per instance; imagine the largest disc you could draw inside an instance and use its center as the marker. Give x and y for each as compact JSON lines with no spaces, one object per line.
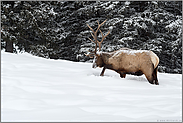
{"x":128,"y":61}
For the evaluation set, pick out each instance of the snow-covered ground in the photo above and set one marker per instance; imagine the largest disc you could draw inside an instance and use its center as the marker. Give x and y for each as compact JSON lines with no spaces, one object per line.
{"x":38,"y":89}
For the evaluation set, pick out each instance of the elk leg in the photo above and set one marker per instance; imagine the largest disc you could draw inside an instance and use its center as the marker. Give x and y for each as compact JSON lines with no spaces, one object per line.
{"x":102,"y":73}
{"x":150,"y":78}
{"x":122,"y":75}
{"x":149,"y":73}
{"x":155,"y":75}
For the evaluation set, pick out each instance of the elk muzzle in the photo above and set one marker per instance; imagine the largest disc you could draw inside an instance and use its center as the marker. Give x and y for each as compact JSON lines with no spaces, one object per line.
{"x":94,"y":62}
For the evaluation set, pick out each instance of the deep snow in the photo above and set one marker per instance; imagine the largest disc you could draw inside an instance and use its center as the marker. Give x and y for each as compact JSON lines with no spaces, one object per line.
{"x":38,"y":89}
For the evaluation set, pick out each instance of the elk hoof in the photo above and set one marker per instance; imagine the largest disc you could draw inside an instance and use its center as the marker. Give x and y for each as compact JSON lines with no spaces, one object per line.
{"x":156,"y":83}
{"x":151,"y":82}
{"x":122,"y":75}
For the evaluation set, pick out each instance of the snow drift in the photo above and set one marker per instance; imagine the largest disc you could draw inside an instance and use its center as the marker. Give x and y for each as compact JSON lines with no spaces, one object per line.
{"x":38,"y":89}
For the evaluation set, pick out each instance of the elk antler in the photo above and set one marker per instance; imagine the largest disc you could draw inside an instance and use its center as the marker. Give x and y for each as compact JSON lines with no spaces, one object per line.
{"x":99,"y":43}
{"x":91,"y":54}
{"x":94,"y":35}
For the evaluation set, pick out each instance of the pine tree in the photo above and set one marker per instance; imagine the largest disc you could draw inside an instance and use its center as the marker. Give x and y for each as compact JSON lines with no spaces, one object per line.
{"x":57,"y":29}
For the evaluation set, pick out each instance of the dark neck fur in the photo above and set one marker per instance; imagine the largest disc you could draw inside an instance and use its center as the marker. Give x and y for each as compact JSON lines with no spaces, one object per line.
{"x":105,"y":57}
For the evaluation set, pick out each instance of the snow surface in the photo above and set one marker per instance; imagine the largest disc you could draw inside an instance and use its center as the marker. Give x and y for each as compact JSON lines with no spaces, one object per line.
{"x":38,"y":89}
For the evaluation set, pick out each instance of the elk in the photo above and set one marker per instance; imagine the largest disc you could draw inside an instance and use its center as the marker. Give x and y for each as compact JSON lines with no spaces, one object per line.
{"x":124,"y":61}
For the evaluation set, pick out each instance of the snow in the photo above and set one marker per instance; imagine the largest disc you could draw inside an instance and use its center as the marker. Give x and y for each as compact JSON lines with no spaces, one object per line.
{"x":4,"y":17}
{"x":129,"y":52}
{"x":35,"y":89}
{"x":52,"y":12}
{"x":110,"y":6}
{"x":99,"y":52}
{"x":175,"y":26}
{"x":126,"y":39}
{"x":127,"y":3}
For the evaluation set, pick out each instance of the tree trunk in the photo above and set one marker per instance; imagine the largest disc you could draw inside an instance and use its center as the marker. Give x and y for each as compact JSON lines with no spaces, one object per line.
{"x":9,"y":46}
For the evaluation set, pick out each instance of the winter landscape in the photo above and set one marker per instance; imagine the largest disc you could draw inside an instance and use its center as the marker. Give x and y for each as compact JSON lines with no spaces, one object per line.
{"x":58,"y":30}
{"x":47,"y":74}
{"x":45,"y":90}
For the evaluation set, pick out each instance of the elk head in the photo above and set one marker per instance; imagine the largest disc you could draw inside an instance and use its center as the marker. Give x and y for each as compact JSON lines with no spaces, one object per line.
{"x":97,"y":62}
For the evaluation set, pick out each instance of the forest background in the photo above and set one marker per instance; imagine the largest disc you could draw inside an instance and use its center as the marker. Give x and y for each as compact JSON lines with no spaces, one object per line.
{"x":58,"y":30}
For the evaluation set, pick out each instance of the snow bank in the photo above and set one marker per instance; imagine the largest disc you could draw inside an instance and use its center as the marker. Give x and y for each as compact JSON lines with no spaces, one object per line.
{"x":44,"y":90}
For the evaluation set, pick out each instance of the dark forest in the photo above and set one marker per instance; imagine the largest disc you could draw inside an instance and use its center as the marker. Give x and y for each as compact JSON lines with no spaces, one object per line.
{"x":58,"y":30}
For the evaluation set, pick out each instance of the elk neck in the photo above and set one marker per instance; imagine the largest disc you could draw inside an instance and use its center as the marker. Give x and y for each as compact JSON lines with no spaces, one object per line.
{"x":105,"y":57}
